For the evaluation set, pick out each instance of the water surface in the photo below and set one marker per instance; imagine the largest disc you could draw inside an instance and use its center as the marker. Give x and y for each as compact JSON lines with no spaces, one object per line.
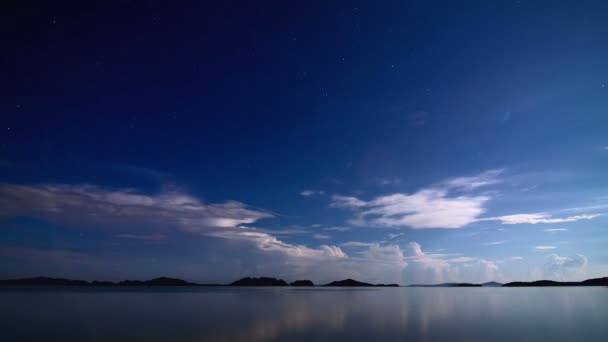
{"x":302,"y":314}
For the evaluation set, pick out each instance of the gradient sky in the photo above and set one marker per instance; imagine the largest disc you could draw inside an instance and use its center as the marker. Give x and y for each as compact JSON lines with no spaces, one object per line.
{"x":409,"y":142}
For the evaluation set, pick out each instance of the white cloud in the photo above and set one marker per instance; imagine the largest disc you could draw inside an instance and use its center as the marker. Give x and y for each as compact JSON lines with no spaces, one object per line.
{"x":427,"y":208}
{"x":347,"y":202}
{"x":267,"y":242}
{"x":392,"y":236}
{"x":388,"y":181}
{"x":486,"y":178}
{"x":437,"y":268}
{"x":462,"y":259}
{"x":494,"y":243}
{"x":544,"y":248}
{"x":555,"y":230}
{"x":357,"y":244}
{"x":535,"y":218}
{"x":308,"y":193}
{"x":338,"y":229}
{"x":120,"y":208}
{"x":433,"y":207}
{"x":321,"y":236}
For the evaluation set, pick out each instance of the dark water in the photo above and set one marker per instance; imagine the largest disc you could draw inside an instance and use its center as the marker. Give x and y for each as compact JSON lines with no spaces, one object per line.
{"x":288,"y":314}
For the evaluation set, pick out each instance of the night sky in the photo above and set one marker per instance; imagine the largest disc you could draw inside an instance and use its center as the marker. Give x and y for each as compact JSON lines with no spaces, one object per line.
{"x":405,"y":141}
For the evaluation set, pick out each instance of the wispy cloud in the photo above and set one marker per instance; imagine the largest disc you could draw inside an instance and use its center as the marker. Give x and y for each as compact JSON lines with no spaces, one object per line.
{"x":322,"y":236}
{"x":357,"y":244}
{"x":267,"y":242}
{"x":338,"y":229}
{"x":489,"y":177}
{"x":536,"y":218}
{"x":117,"y":208}
{"x":308,"y":193}
{"x":433,"y":207}
{"x":544,"y":248}
{"x":427,"y":208}
{"x":555,"y":230}
{"x":347,"y":202}
{"x":493,"y":243}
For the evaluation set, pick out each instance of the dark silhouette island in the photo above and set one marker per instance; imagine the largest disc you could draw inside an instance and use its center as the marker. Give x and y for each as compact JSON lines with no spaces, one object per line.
{"x":162,"y":281}
{"x":589,"y":282}
{"x":267,"y":281}
{"x":302,"y":283}
{"x":353,"y":283}
{"x":263,"y":281}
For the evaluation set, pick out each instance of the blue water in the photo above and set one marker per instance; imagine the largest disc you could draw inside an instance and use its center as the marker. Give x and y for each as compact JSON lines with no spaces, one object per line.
{"x":298,"y":314}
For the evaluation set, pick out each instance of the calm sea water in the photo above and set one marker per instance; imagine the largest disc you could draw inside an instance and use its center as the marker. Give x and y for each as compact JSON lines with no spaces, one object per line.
{"x":298,"y":314}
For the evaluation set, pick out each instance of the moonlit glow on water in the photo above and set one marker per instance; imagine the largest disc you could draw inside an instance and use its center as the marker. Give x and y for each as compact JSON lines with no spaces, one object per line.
{"x":288,"y":314}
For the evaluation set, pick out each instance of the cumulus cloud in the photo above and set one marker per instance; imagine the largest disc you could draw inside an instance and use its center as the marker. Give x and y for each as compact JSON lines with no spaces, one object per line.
{"x":432,"y":268}
{"x":564,"y":268}
{"x":535,"y":218}
{"x":92,"y":205}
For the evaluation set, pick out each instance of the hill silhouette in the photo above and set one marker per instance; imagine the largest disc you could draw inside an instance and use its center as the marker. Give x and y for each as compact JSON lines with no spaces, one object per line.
{"x":263,"y":281}
{"x":589,"y":282}
{"x":302,"y":283}
{"x":352,"y":283}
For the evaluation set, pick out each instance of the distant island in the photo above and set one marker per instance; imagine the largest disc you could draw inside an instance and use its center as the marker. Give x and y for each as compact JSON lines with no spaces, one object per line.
{"x":267,"y":281}
{"x":351,"y":283}
{"x":589,"y":282}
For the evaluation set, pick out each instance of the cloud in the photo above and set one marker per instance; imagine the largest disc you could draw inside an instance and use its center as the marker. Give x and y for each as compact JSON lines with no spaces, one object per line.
{"x":267,"y":242}
{"x":427,"y":208}
{"x":431,"y":268}
{"x":462,"y":259}
{"x":321,"y":236}
{"x":392,"y":236}
{"x":555,"y":230}
{"x":338,"y":229}
{"x":347,"y":202}
{"x":544,"y":248}
{"x":120,"y":208}
{"x":387,"y":181}
{"x":357,"y":244}
{"x":535,"y":218}
{"x":308,"y":193}
{"x":433,"y":207}
{"x":494,"y":243}
{"x":564,"y":268}
{"x":489,"y":177}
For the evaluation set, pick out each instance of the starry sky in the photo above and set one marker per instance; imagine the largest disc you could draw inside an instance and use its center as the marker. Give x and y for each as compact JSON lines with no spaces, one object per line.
{"x":389,"y":141}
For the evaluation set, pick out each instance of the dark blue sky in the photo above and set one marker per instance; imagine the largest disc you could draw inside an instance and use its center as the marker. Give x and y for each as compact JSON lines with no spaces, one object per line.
{"x":392,"y":141}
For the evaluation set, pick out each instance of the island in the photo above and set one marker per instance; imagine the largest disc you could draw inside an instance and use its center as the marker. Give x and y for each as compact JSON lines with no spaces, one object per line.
{"x":352,"y":283}
{"x":302,"y":283}
{"x":262,"y":281}
{"x":589,"y":282}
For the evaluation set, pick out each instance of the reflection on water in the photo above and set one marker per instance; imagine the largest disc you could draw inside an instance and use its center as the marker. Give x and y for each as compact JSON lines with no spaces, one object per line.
{"x":295,"y":314}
